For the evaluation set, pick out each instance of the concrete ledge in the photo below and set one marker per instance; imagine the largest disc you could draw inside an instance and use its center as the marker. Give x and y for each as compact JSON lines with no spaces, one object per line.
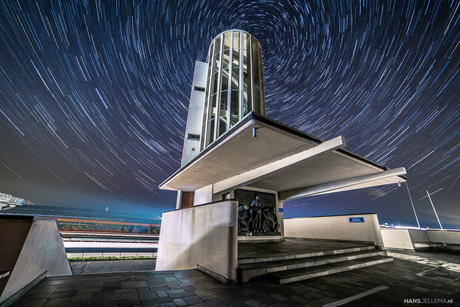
{"x":333,"y":240}
{"x":216,"y":276}
{"x":255,"y":239}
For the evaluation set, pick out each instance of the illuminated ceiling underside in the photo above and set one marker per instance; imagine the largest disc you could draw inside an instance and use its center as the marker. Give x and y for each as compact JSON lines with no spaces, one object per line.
{"x":279,"y":158}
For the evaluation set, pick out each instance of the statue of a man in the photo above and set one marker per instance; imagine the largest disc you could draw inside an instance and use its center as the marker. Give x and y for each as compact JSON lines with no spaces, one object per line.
{"x":257,"y":214}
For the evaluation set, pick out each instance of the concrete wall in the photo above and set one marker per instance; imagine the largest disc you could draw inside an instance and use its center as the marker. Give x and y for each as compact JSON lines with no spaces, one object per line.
{"x":42,"y":254}
{"x":203,"y":236}
{"x":335,"y":228}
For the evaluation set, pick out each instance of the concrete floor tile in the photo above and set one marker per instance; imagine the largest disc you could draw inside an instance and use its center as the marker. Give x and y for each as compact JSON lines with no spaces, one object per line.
{"x":133,"y":284}
{"x":254,"y":302}
{"x":147,"y":295}
{"x":192,"y":299}
{"x":181,"y":294}
{"x":158,"y":300}
{"x":161,"y":293}
{"x":279,"y":297}
{"x":179,"y":302}
{"x":32,"y":303}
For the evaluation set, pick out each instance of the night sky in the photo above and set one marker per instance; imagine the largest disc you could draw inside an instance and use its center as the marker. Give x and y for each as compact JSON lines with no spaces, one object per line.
{"x":94,"y":96}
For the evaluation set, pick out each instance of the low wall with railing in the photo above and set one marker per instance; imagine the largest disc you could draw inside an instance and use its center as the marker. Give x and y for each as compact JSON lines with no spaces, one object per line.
{"x":203,"y":237}
{"x":352,"y":228}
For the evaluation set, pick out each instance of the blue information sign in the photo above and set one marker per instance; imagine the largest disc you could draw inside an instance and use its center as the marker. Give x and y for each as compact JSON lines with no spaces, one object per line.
{"x":280,"y":209}
{"x":356,"y":219}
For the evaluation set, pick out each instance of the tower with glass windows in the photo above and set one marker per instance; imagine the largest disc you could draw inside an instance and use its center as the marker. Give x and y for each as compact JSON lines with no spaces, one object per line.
{"x":225,"y":88}
{"x":234,"y":85}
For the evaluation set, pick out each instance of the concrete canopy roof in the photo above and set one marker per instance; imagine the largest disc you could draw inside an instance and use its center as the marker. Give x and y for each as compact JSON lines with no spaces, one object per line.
{"x":278,"y":158}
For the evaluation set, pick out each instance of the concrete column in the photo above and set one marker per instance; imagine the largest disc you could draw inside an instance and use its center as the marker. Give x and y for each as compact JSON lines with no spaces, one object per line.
{"x":203,"y":195}
{"x":280,"y":216}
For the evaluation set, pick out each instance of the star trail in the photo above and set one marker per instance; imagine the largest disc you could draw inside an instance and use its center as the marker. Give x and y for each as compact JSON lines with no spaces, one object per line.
{"x":94,"y":96}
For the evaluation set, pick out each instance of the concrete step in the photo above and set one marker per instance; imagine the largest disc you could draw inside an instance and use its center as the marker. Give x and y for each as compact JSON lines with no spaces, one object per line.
{"x":245,"y":260}
{"x":284,"y":277}
{"x":253,"y":271}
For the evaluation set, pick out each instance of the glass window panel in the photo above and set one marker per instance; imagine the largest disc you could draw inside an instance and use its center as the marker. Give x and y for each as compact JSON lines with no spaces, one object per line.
{"x":214,"y":84}
{"x":247,"y":78}
{"x":235,"y":60}
{"x":246,"y":41}
{"x":255,"y":59}
{"x":224,"y":85}
{"x":216,"y":64}
{"x":261,"y":87}
{"x":236,"y":40}
{"x":234,"y":113}
{"x":256,"y":86}
{"x":203,"y":128}
{"x":211,"y":130}
{"x":217,"y":44}
{"x":257,"y":104}
{"x":235,"y":77}
{"x":227,"y":36}
{"x":211,"y":51}
{"x":247,"y":106}
{"x":222,"y":127}
{"x":213,"y":104}
{"x":226,"y":60}
{"x":245,"y":57}
{"x":223,"y":103}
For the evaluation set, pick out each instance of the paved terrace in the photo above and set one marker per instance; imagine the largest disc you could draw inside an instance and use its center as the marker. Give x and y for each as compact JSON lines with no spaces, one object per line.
{"x":431,"y":277}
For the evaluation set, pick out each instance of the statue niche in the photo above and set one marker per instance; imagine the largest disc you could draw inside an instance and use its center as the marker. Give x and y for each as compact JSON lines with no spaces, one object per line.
{"x":257,"y":213}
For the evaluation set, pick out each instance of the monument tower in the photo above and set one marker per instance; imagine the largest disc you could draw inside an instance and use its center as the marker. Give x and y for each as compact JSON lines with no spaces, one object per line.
{"x":238,"y":166}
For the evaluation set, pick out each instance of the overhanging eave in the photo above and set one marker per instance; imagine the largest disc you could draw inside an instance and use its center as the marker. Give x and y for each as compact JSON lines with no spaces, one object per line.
{"x":392,"y":176}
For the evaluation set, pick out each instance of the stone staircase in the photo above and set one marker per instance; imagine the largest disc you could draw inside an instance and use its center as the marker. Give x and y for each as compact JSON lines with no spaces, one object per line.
{"x":296,"y":267}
